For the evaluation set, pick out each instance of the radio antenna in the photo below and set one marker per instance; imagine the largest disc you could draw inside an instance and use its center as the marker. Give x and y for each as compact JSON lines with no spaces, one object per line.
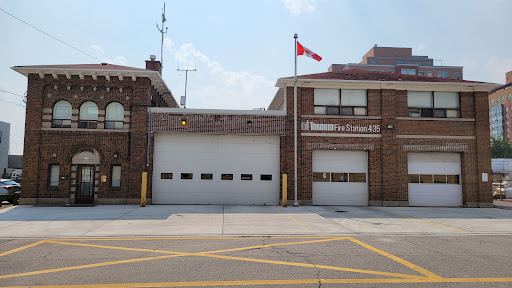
{"x":162,"y":32}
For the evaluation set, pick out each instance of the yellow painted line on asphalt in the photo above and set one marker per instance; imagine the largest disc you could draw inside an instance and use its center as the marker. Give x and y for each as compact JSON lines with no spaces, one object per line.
{"x":301,"y":226}
{"x":85,"y":266}
{"x":273,"y":282}
{"x":117,"y":248}
{"x":398,"y":259}
{"x":22,"y":248}
{"x":192,"y":238}
{"x":315,"y":266}
{"x":420,"y":220}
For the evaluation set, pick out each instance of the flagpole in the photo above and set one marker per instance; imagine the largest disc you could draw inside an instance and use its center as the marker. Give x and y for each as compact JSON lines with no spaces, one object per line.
{"x":295,"y":202}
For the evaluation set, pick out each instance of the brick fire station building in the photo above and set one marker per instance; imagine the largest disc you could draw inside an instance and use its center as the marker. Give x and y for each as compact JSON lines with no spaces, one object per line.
{"x":364,"y":138}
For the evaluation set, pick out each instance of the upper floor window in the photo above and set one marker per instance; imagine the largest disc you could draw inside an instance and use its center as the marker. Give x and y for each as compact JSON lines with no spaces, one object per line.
{"x":443,"y":74}
{"x":433,"y":104}
{"x":114,"y":116}
{"x":429,"y":73}
{"x":61,"y":115}
{"x":88,"y":115}
{"x":502,"y":98}
{"x":420,"y":73}
{"x":340,"y":102}
{"x":457,"y":75}
{"x":492,"y":101}
{"x":408,"y":71}
{"x":508,"y":96}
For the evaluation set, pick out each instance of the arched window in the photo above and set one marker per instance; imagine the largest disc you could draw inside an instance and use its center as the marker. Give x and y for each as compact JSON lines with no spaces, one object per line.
{"x":114,"y":116}
{"x":61,"y":115}
{"x":88,"y":115}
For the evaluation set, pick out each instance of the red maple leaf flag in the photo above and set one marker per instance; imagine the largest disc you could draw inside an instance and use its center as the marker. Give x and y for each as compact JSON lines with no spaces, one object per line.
{"x":301,"y":50}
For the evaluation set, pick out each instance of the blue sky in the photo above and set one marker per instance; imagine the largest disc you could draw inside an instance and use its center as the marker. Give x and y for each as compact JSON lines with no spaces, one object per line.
{"x":240,"y":48}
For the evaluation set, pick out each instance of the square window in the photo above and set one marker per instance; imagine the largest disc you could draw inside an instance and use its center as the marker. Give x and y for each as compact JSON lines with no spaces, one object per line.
{"x":246,"y":177}
{"x":266,"y":177}
{"x":321,"y":177}
{"x":226,"y":177}
{"x":426,"y":178}
{"x":165,"y":175}
{"x":357,"y":177}
{"x":339,"y":177}
{"x":413,"y":178}
{"x":206,"y":176}
{"x":187,"y":176}
{"x":347,"y":111}
{"x":332,"y":110}
{"x":441,"y":179}
{"x":452,"y":179}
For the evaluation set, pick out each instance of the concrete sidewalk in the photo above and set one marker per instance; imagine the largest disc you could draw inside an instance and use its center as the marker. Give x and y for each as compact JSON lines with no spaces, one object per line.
{"x":219,"y":220}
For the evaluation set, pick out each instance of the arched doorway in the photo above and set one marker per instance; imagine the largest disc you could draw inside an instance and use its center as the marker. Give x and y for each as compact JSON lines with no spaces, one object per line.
{"x":85,"y":162}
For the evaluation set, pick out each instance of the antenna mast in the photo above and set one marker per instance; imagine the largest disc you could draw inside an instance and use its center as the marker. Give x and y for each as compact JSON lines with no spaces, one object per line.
{"x":162,"y":32}
{"x":183,"y":100}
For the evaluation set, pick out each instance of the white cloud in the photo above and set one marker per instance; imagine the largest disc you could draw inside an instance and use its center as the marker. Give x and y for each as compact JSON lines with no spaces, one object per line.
{"x":214,"y":87}
{"x":496,"y":69}
{"x":168,"y":45}
{"x":297,"y":7}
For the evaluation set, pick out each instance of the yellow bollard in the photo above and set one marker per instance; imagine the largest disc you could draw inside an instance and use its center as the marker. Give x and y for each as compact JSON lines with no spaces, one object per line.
{"x":285,"y":190}
{"x":143,"y":189}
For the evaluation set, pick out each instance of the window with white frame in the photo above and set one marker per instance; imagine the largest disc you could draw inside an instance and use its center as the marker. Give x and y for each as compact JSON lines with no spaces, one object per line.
{"x":433,"y":104}
{"x":116,"y":176}
{"x":61,"y":115}
{"x":114,"y":116}
{"x":340,"y":102}
{"x":443,"y":74}
{"x":429,"y":73}
{"x":53,"y":179}
{"x":408,"y":71}
{"x":420,"y":73}
{"x":88,"y":117}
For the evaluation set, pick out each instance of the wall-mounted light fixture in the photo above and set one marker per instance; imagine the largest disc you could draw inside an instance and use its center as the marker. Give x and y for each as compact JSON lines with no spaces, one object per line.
{"x":54,"y":154}
{"x":183,"y":121}
{"x":116,"y":154}
{"x":249,"y":123}
{"x":390,"y":126}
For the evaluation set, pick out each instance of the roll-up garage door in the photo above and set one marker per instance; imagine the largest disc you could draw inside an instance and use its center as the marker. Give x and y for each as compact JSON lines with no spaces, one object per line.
{"x":216,"y":169}
{"x":340,"y":177}
{"x":434,"y":179}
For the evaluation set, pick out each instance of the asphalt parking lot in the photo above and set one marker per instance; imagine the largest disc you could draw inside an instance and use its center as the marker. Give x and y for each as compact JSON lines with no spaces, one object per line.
{"x":360,"y":261}
{"x":219,"y":220}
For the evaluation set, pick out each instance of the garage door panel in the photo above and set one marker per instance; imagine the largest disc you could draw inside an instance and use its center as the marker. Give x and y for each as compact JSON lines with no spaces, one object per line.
{"x":434,"y":194}
{"x":340,"y":193}
{"x":216,"y":154}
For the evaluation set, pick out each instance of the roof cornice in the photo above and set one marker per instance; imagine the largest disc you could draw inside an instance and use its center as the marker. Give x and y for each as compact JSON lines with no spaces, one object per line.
{"x":396,"y":85}
{"x":156,"y":79}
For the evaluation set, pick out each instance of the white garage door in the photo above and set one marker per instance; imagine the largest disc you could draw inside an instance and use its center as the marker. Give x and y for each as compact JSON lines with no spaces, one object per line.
{"x":216,"y":169}
{"x":340,"y":177}
{"x":434,"y":179}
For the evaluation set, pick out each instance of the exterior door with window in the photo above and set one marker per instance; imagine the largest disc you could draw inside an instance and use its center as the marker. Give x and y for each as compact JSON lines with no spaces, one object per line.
{"x":85,"y":191}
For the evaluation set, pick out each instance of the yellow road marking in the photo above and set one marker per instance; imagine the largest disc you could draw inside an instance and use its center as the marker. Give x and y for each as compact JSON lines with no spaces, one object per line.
{"x":193,"y":238}
{"x":398,"y":259}
{"x":420,"y":220}
{"x":292,"y":219}
{"x":22,"y":248}
{"x":274,"y":282}
{"x":316,"y":266}
{"x":85,"y":266}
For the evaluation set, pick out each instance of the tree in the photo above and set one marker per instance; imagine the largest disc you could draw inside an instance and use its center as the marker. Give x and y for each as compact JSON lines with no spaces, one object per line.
{"x":501,"y":147}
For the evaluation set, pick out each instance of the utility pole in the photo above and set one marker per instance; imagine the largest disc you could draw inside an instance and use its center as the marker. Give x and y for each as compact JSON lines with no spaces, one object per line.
{"x":184,"y":98}
{"x":162,"y":32}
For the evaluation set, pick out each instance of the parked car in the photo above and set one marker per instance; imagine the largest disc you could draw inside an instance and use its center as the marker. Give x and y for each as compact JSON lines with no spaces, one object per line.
{"x":17,"y":179}
{"x":9,"y":191}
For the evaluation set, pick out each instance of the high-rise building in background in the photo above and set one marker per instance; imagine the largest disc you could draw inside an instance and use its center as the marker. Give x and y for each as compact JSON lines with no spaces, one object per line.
{"x":401,"y":61}
{"x":500,"y":108}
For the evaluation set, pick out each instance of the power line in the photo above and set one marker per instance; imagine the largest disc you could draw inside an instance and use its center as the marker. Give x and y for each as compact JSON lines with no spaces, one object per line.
{"x":11,"y":93}
{"x":13,"y":103}
{"x":49,"y":35}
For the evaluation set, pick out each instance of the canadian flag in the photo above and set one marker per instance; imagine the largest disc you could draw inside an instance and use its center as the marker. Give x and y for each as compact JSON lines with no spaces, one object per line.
{"x":301,"y":50}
